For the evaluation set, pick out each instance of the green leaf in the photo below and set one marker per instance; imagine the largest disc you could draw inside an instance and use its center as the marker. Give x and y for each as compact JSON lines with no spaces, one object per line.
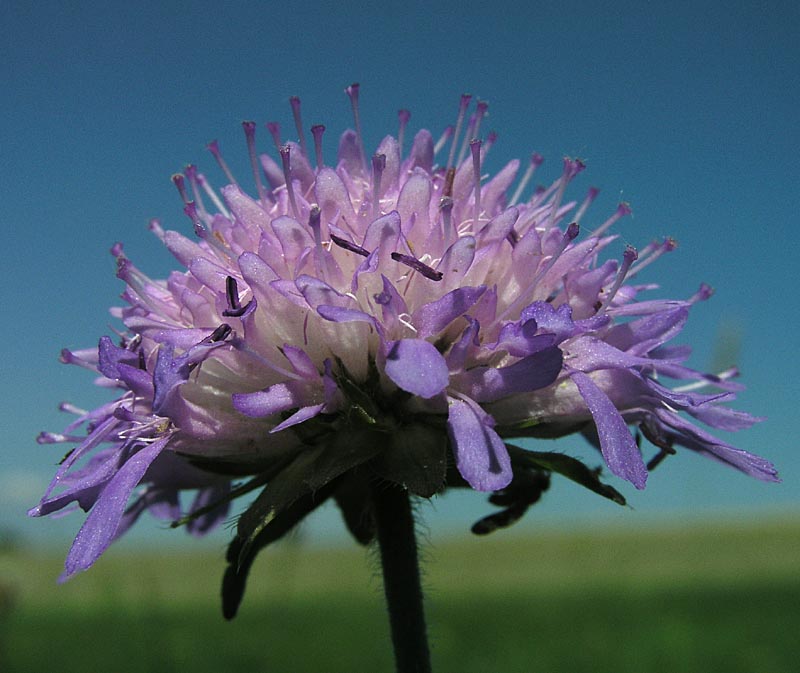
{"x":570,"y":467}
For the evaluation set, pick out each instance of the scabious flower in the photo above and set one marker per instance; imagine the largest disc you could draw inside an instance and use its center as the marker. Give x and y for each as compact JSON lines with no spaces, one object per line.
{"x":393,"y":316}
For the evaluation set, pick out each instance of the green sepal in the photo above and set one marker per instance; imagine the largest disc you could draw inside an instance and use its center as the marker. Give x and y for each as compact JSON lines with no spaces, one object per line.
{"x":240,"y":556}
{"x":353,"y":496}
{"x":570,"y":467}
{"x":416,"y":459}
{"x":313,"y":468}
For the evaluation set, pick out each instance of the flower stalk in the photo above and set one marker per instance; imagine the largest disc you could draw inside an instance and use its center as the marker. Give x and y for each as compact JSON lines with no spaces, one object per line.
{"x":397,"y":541}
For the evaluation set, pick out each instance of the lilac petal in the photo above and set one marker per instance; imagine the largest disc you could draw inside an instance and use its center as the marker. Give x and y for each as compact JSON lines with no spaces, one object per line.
{"x":300,"y":361}
{"x":417,"y":367}
{"x":481,"y":456}
{"x":457,"y":260}
{"x":701,"y":441}
{"x":316,"y":292}
{"x":520,"y":339}
{"x":499,"y":227}
{"x":467,"y":344}
{"x":432,"y":318}
{"x":383,"y":234}
{"x":643,"y":335}
{"x":273,"y":400}
{"x":488,"y":384}
{"x":100,"y":526}
{"x":293,"y":237}
{"x":590,"y":354}
{"x":724,"y":418}
{"x":170,"y":371}
{"x":616,"y":442}
{"x":110,"y":355}
{"x":299,"y":416}
{"x":421,"y":153}
{"x":339,"y":314}
{"x":554,"y":321}
{"x":332,"y":195}
{"x":414,"y":201}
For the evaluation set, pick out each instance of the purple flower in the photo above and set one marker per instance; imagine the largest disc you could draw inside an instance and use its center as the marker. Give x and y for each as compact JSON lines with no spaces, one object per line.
{"x":395,"y":316}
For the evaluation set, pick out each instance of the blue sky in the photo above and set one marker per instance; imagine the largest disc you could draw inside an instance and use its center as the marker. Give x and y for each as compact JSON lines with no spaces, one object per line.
{"x":687,"y":112}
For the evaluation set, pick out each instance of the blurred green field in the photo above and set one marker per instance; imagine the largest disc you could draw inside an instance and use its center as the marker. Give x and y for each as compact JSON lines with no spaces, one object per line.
{"x":699,"y":598}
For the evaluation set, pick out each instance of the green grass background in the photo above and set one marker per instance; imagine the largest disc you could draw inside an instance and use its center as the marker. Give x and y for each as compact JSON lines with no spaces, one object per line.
{"x":672,"y":599}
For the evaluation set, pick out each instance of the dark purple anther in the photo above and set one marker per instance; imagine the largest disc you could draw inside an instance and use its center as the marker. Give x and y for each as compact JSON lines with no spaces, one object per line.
{"x":352,"y":247}
{"x":220,"y":334}
{"x":317,"y":130}
{"x":415,"y":264}
{"x":314,"y":217}
{"x":382,"y":298}
{"x":294,"y":101}
{"x":572,"y":231}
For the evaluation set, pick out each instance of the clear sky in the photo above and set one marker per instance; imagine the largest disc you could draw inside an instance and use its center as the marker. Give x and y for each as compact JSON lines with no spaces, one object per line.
{"x":687,"y":111}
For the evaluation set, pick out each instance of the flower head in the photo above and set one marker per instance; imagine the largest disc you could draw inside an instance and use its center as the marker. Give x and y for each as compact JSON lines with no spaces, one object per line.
{"x":393,"y":315}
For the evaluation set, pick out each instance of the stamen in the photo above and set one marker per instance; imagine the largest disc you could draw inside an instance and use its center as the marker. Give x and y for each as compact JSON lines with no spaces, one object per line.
{"x":622,"y":210}
{"x":178,"y":181}
{"x":206,"y":187}
{"x":213,"y":147}
{"x":294,"y":101}
{"x":571,"y":168}
{"x":274,"y":129}
{"x":475,"y":148}
{"x":72,"y":409}
{"x":473,"y":129}
{"x":235,"y":309}
{"x":651,"y":253}
{"x":536,"y":161}
{"x":403,"y":116}
{"x":446,"y":207}
{"x":352,"y":247}
{"x":352,"y":92}
{"x":705,"y":292}
{"x":449,"y":178}
{"x":524,"y":297}
{"x":462,"y":109}
{"x":446,"y":135}
{"x":220,"y":334}
{"x":317,"y":130}
{"x":378,"y":165}
{"x":628,"y":257}
{"x":590,"y":196}
{"x":203,"y":233}
{"x":287,"y":175}
{"x":250,"y":135}
{"x":314,"y":220}
{"x":415,"y":264}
